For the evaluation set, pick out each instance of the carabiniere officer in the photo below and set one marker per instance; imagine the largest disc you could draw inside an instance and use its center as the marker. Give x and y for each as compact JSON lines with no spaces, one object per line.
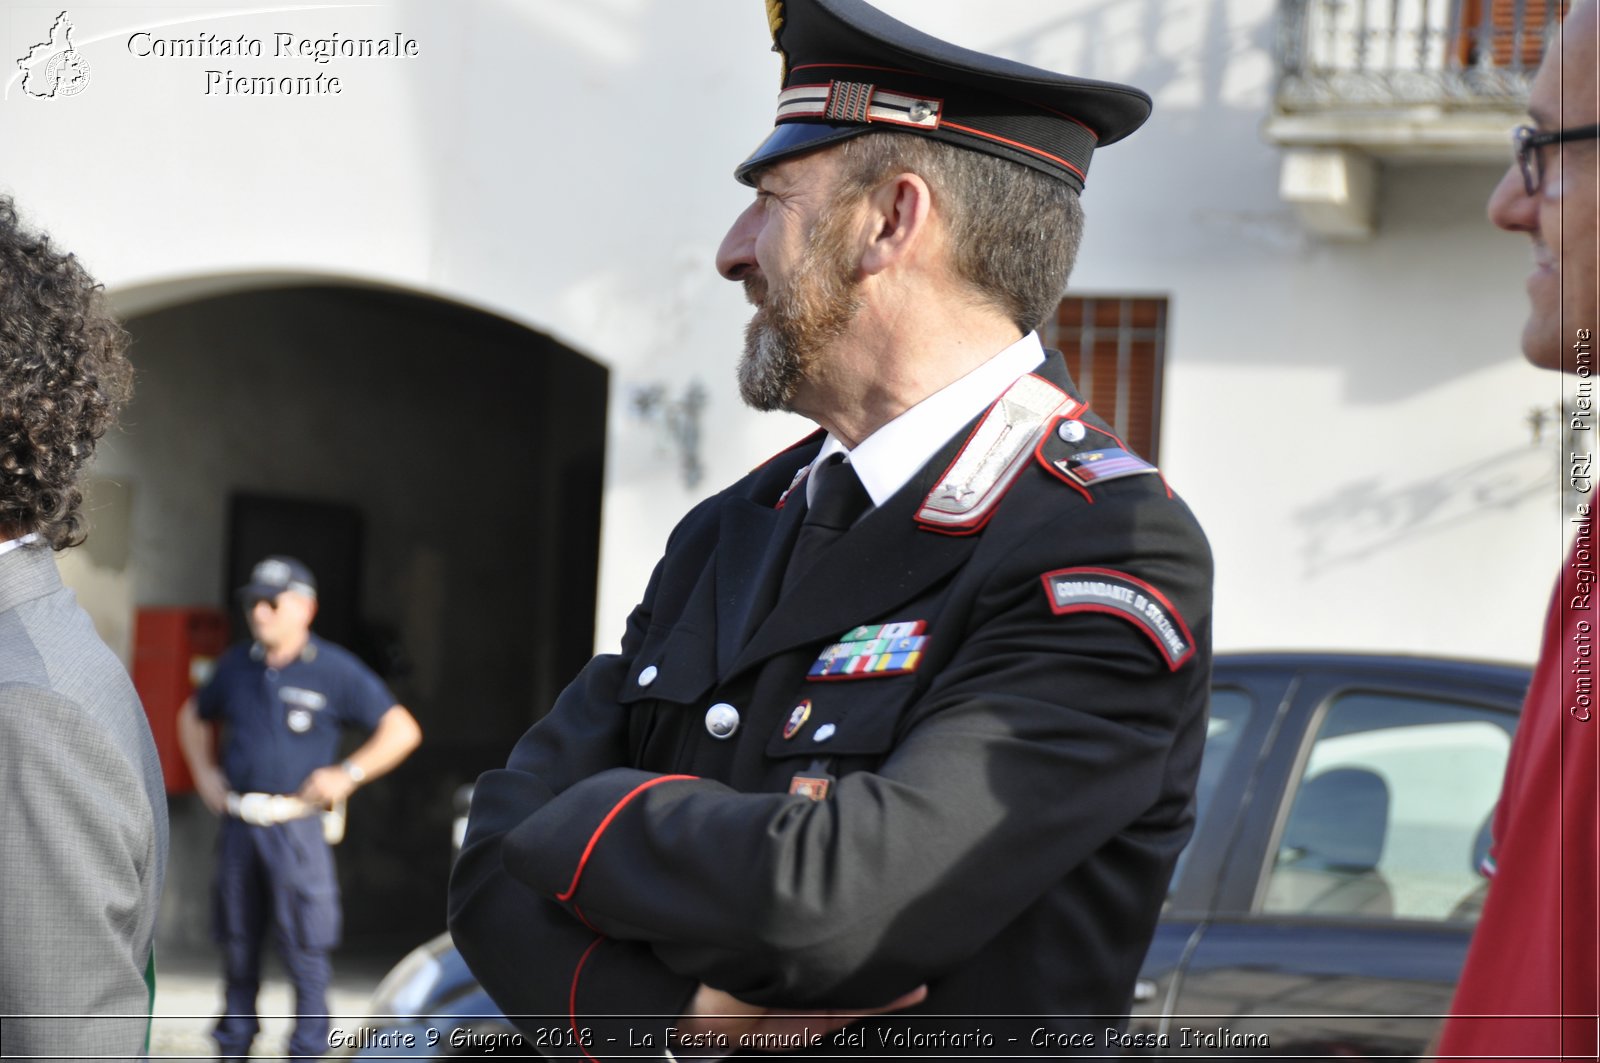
{"x":901,"y":743}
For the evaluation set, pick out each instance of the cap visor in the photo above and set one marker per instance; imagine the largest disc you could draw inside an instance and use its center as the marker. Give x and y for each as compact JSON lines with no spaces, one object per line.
{"x":794,"y":138}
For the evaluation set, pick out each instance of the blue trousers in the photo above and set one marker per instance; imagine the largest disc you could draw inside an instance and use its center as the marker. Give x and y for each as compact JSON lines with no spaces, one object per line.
{"x":280,"y":876}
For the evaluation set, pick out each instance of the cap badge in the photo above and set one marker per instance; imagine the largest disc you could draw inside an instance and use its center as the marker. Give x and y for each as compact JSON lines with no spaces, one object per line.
{"x":775,"y":23}
{"x":272,"y":573}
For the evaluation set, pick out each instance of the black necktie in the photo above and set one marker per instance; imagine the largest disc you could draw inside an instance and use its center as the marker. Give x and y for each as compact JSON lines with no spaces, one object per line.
{"x":837,"y":501}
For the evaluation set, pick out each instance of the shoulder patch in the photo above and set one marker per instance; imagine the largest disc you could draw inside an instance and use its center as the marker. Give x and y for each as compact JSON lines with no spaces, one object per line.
{"x":1105,"y":590}
{"x":1085,"y":456}
{"x":993,"y":455}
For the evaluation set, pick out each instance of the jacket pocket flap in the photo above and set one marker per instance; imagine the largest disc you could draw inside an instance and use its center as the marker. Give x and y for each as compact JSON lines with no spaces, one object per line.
{"x":676,"y":664}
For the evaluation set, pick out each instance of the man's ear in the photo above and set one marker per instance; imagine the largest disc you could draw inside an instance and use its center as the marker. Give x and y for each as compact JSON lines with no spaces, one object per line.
{"x":898,"y":216}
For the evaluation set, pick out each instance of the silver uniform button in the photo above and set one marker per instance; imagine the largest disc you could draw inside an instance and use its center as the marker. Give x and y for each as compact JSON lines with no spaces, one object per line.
{"x":647,"y":676}
{"x":722,"y":720}
{"x":1071,"y":431}
{"x":824,"y":733}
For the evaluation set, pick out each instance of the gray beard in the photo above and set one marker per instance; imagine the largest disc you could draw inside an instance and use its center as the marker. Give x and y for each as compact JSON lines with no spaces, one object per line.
{"x":770,"y":368}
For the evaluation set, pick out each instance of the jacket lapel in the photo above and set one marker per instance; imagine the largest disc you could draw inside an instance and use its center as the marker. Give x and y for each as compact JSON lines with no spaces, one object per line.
{"x":753,"y":543}
{"x":749,"y":564}
{"x":883,"y":561}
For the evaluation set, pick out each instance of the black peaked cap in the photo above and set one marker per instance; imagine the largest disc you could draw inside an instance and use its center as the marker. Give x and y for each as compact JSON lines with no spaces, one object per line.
{"x":850,"y":69}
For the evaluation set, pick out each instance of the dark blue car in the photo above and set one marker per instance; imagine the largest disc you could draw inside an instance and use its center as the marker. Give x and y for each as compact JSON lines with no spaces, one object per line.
{"x":1323,"y":907}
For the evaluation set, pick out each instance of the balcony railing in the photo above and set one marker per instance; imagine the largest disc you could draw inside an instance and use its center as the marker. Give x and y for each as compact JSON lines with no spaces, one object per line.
{"x":1353,"y":55}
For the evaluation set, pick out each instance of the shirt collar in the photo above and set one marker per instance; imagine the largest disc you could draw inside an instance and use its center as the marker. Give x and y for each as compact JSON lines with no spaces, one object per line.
{"x":20,"y":541}
{"x":889,"y":457}
{"x":308,"y":652}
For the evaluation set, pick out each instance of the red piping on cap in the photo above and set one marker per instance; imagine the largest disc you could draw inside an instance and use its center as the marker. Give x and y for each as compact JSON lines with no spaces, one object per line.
{"x":1016,"y":144}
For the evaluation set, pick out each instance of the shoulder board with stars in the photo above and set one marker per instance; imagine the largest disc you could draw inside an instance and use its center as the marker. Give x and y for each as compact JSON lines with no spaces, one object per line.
{"x":1083,"y":456}
{"x":994,"y":455}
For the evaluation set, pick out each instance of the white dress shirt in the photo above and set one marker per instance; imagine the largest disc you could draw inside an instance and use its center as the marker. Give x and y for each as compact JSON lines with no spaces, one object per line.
{"x":889,"y":457}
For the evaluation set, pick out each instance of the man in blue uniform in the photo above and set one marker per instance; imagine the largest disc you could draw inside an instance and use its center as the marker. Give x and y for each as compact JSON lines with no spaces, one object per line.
{"x":908,"y":719}
{"x":281,"y":702}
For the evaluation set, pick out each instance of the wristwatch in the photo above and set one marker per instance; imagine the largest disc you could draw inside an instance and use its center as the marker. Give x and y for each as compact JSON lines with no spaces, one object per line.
{"x":356,"y":772}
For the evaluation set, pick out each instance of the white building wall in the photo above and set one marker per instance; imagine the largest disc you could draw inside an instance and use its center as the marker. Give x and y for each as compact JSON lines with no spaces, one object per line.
{"x":1347,"y":421}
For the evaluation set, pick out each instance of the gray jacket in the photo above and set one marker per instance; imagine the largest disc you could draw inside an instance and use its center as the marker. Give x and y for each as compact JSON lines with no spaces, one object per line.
{"x":83,"y":827}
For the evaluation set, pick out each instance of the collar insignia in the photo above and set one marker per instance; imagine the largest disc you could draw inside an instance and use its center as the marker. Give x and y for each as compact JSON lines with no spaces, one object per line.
{"x":994,"y":455}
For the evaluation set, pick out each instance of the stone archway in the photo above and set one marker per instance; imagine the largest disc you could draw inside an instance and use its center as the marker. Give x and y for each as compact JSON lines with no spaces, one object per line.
{"x":473,"y":450}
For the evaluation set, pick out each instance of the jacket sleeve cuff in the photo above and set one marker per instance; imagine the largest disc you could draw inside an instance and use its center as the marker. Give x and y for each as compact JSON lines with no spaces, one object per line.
{"x":549,"y":854}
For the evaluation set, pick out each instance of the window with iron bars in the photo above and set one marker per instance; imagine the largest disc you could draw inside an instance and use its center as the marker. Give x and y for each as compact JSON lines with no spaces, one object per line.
{"x":1506,"y":33}
{"x":1115,"y":348}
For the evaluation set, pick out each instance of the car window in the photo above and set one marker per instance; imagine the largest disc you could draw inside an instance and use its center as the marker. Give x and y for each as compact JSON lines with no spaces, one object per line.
{"x":1390,"y":815}
{"x":1230,"y":711}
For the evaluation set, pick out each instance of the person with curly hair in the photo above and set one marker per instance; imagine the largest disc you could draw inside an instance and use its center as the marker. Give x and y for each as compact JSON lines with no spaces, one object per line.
{"x":83,"y":813}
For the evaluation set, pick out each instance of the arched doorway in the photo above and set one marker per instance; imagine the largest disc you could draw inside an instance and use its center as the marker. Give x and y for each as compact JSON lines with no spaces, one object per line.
{"x":467,"y":450}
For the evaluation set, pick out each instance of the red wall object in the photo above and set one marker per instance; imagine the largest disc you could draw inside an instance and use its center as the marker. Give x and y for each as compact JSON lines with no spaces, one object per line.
{"x":174,"y":648}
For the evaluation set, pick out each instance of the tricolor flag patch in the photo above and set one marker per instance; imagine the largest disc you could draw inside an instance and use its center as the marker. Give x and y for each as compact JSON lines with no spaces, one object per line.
{"x":1104,"y":590}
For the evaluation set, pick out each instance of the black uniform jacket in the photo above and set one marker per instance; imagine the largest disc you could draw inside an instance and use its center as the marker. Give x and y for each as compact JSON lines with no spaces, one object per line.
{"x":1001,"y":814}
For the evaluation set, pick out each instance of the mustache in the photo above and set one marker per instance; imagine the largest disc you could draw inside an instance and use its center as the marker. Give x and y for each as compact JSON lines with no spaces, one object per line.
{"x":755,"y":289}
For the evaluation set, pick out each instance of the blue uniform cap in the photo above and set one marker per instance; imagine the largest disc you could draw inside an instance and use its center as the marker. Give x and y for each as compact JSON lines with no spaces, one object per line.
{"x":274,"y":575}
{"x":850,"y":69}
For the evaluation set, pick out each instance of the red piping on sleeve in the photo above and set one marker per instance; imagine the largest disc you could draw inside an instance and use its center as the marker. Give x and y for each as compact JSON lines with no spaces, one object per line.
{"x":594,"y":839}
{"x":572,"y":999}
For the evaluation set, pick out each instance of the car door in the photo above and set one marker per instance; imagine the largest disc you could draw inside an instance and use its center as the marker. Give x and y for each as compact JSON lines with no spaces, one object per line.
{"x":1244,"y":704}
{"x":1345,"y":898}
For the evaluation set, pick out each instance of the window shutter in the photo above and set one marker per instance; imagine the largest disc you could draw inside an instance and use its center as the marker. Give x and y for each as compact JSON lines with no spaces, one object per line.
{"x":1115,"y":349}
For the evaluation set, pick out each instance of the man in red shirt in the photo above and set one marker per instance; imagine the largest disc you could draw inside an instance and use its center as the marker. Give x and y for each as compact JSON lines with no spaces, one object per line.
{"x":1529,"y":987}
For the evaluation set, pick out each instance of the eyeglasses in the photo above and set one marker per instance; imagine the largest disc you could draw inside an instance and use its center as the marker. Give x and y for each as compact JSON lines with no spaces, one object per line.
{"x":1526,"y":142}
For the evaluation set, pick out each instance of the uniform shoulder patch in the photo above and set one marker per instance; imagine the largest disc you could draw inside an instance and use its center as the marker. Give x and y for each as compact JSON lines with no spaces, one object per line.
{"x":1105,"y":590}
{"x":1085,"y":456}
